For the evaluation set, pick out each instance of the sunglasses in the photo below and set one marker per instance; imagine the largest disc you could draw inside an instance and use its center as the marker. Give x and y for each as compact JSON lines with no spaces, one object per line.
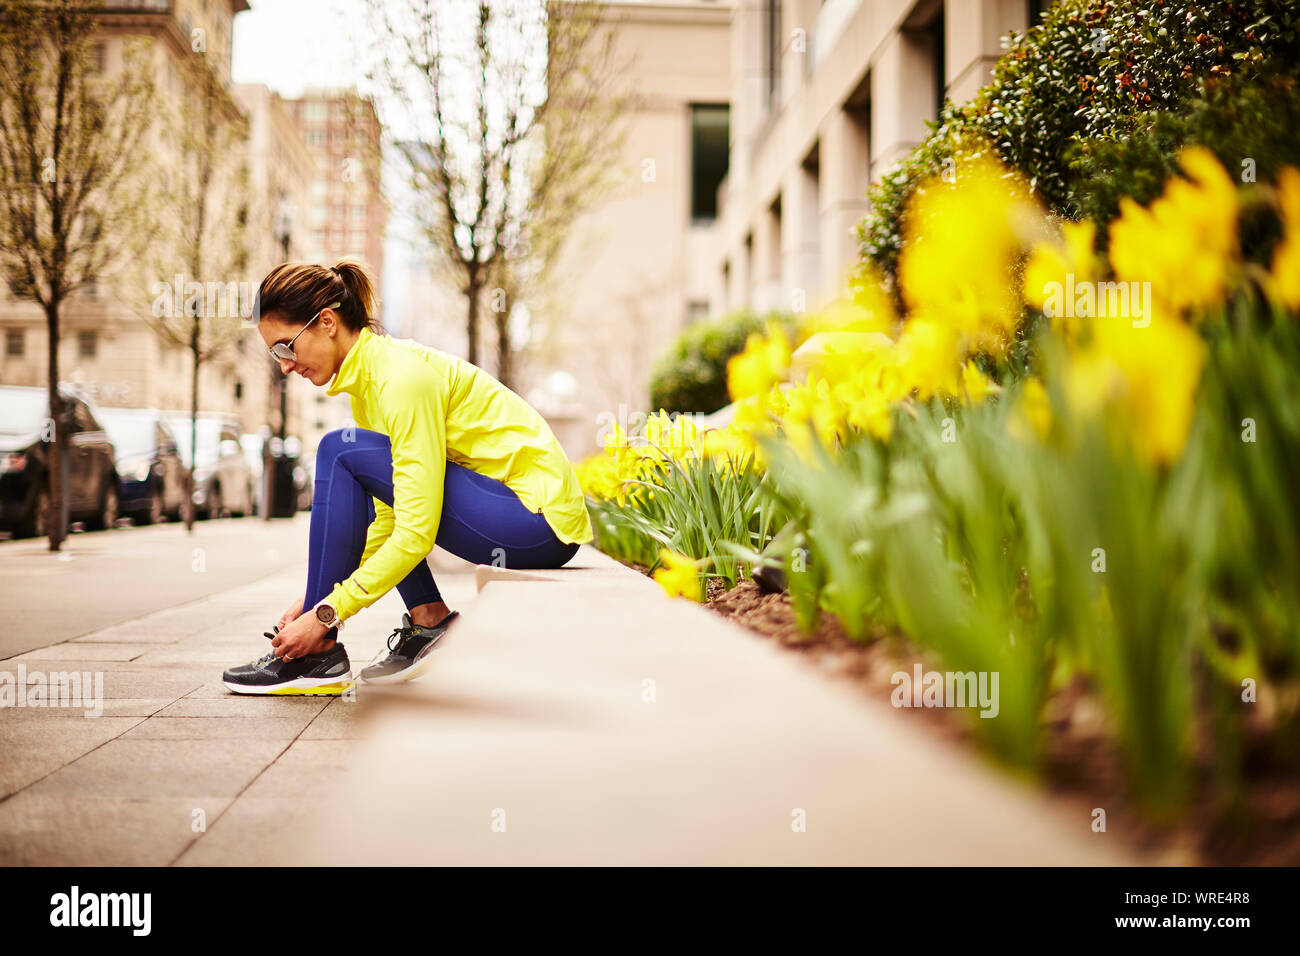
{"x":282,"y":350}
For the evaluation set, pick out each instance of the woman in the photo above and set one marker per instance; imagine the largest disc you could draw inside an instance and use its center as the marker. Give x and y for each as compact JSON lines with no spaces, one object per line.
{"x":449,"y":456}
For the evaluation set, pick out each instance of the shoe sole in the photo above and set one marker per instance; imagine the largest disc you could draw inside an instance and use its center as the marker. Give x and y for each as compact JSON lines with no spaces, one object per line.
{"x":421,"y":664}
{"x":303,"y":686}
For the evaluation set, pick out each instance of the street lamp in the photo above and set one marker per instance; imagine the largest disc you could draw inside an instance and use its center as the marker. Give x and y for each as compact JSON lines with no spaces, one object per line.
{"x":273,"y":462}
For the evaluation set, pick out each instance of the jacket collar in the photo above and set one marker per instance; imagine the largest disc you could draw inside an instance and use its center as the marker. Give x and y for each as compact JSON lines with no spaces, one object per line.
{"x":352,"y":373}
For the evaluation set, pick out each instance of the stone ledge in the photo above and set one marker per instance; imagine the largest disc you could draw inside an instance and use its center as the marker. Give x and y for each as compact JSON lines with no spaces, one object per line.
{"x":600,"y":722}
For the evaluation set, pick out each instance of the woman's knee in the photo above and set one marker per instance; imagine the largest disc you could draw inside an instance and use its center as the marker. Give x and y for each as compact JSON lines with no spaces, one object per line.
{"x":334,"y":443}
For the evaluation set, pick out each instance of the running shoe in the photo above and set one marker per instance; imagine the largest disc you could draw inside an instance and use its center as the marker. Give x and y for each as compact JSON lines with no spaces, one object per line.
{"x":328,"y":673}
{"x":409,"y":648}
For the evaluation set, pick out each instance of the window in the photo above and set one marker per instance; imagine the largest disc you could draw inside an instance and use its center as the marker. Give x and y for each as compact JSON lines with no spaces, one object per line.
{"x":710,"y":135}
{"x":86,"y":344}
{"x":696,"y":310}
{"x":15,"y":342}
{"x":938,"y":61}
{"x":98,"y":57}
{"x":772,"y":47}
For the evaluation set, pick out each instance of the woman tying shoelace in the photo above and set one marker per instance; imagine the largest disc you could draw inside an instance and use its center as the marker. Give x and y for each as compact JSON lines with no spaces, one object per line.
{"x":443,"y":453}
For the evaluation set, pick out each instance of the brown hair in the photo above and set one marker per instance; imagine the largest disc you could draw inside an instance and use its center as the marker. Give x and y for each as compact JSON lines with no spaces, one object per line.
{"x":298,"y":290}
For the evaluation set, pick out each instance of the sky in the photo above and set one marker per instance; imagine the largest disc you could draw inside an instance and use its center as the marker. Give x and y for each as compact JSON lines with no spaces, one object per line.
{"x":293,"y":44}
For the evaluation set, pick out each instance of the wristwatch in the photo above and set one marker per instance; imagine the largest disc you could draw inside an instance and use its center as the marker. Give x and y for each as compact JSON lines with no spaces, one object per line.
{"x":328,"y":615}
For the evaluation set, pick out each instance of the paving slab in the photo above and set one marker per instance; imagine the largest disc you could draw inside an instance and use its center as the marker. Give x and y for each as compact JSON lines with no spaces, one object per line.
{"x":36,"y":747}
{"x":252,"y":831}
{"x":121,"y":788}
{"x":58,"y":829}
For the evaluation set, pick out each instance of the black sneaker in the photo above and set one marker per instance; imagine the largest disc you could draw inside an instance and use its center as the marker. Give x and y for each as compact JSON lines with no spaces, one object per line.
{"x":328,"y":673}
{"x":409,"y":648}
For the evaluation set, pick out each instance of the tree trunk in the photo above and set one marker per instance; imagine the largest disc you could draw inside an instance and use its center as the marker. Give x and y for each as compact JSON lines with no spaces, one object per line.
{"x":54,"y":461}
{"x":194,"y":424}
{"x":471,"y":327}
{"x":504,"y":370}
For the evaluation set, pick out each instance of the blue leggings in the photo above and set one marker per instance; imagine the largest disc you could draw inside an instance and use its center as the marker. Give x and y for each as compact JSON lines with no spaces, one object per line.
{"x":483,"y":521}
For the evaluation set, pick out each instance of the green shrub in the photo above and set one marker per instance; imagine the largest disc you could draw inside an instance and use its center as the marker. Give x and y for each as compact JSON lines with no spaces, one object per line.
{"x":1091,"y":70}
{"x":692,"y":375}
{"x":1239,"y":119}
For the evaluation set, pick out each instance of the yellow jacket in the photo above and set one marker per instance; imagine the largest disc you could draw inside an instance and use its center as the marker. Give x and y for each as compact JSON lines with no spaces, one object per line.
{"x":434,"y":408}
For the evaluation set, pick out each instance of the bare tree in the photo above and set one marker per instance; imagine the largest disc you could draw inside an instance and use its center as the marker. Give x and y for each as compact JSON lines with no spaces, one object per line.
{"x":201,"y":241}
{"x":69,"y":156}
{"x":508,"y":141}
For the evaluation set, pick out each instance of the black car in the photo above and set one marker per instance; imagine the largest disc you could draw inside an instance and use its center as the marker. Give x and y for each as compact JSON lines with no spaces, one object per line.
{"x":26,"y":429}
{"x":149,"y":468}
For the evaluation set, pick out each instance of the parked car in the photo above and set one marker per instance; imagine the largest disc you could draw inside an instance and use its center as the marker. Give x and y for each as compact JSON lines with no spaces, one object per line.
{"x":150,"y":472}
{"x":223,"y":482}
{"x":92,"y":488}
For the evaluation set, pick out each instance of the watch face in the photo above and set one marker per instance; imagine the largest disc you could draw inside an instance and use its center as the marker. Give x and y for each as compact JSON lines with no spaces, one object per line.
{"x":325,"y":614}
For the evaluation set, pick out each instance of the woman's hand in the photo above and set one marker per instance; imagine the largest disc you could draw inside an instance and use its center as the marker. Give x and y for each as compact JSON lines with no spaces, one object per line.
{"x":306,"y":635}
{"x":292,"y":614}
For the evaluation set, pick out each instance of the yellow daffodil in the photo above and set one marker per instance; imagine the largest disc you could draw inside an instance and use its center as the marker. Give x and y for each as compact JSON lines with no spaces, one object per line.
{"x":675,"y":438}
{"x":1033,"y":412}
{"x":928,"y":357}
{"x":1054,"y":268}
{"x":868,"y":308}
{"x":1185,"y":243}
{"x":961,"y":241}
{"x":1286,"y":256}
{"x":679,"y":575}
{"x":763,"y":362}
{"x":1145,"y":379}
{"x":975,"y":383}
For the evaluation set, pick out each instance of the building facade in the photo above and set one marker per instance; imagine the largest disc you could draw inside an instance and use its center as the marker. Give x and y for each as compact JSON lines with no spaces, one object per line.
{"x":345,"y":212}
{"x":826,"y":96}
{"x":308,"y":185}
{"x":817,"y":99}
{"x":636,"y":268}
{"x":107,"y":346}
{"x":280,"y":172}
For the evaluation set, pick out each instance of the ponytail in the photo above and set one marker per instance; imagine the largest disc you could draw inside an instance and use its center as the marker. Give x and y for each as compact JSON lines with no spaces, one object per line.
{"x":361,"y":290}
{"x":297,"y":291}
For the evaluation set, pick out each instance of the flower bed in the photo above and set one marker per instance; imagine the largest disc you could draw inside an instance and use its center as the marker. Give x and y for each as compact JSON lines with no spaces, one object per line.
{"x":1094,"y":504}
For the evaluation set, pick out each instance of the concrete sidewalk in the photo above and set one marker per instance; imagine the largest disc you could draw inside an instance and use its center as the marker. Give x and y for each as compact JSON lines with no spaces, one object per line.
{"x":151,"y":780}
{"x":572,"y":716}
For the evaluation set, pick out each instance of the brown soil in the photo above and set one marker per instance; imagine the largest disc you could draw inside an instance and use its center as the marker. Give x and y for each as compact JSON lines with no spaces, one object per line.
{"x":1081,"y":765}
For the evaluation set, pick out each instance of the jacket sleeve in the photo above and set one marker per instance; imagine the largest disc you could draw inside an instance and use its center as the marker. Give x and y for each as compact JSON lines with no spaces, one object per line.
{"x":379,"y":529}
{"x":412,"y":409}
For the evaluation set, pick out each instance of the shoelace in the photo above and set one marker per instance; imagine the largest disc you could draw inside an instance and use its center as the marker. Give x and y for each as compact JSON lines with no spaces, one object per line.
{"x":269,"y":655}
{"x":405,"y":631}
